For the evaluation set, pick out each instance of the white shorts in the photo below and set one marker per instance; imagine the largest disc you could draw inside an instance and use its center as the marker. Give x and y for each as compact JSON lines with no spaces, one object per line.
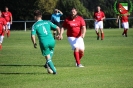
{"x":8,"y":25}
{"x":125,"y":25}
{"x":99,"y":24}
{"x":76,"y":43}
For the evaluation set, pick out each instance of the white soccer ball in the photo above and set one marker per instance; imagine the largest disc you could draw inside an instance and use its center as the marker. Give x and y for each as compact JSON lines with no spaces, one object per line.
{"x":49,"y":70}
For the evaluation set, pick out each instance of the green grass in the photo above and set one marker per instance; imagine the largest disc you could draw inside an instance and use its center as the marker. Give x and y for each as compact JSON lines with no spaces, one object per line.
{"x":108,"y":63}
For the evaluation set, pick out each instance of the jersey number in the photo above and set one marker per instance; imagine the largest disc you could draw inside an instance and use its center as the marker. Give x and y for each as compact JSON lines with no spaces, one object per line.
{"x":44,"y":30}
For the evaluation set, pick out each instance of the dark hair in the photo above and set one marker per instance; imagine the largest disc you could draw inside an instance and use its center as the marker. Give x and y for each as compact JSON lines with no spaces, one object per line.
{"x":37,"y":13}
{"x":6,"y":7}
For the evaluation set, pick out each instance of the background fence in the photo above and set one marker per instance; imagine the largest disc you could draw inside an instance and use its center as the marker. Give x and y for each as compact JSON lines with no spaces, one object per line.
{"x":108,"y":23}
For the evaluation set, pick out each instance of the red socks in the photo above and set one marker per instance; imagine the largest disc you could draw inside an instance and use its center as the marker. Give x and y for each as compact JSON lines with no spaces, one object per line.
{"x":76,"y":55}
{"x":102,"y":36}
{"x":8,"y":33}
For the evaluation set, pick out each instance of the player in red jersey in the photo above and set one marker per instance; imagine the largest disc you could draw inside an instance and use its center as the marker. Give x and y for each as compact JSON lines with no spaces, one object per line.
{"x":8,"y":16}
{"x":76,"y":29}
{"x":124,"y":19}
{"x":2,"y":23}
{"x":99,"y":16}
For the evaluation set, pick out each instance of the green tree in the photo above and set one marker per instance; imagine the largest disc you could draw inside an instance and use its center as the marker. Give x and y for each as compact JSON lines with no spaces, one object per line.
{"x":66,"y":5}
{"x":47,"y":6}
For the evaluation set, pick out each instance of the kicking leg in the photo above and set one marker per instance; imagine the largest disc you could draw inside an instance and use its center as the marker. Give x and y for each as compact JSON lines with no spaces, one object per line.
{"x":50,"y":63}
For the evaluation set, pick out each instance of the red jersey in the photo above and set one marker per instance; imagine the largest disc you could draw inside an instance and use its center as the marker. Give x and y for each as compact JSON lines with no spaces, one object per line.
{"x":73,"y":26}
{"x":99,"y":15}
{"x":2,"y":23}
{"x":124,"y":18}
{"x":7,"y":16}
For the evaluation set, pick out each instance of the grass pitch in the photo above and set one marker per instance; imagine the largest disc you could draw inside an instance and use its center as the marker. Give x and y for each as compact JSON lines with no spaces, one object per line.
{"x":108,"y":63}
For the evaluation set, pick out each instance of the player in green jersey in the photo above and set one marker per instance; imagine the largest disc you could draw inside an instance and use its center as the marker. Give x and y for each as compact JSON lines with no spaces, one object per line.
{"x":46,"y":41}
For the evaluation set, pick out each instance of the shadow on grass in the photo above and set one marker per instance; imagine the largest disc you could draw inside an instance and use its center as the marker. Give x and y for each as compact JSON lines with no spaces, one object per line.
{"x":19,"y":73}
{"x":23,"y":65}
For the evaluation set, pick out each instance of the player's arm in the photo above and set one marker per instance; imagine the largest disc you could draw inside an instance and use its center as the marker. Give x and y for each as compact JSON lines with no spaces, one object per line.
{"x":33,"y":38}
{"x":83,"y":31}
{"x":118,"y":17}
{"x":58,"y":31}
{"x":60,"y":12}
{"x":127,"y":14}
{"x":34,"y":41}
{"x":103,"y":17}
{"x":11,"y":18}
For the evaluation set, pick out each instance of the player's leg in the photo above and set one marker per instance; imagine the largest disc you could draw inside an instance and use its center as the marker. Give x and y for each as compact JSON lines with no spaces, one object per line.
{"x":76,"y":56}
{"x":126,"y":28}
{"x":1,"y":38}
{"x":8,"y":32}
{"x":72,"y":41}
{"x":46,"y":51}
{"x":102,"y":34}
{"x":50,"y":63}
{"x":75,"y":46}
{"x":0,"y":43}
{"x":96,"y":30}
{"x":81,"y":47}
{"x":101,"y":30}
{"x":51,"y":47}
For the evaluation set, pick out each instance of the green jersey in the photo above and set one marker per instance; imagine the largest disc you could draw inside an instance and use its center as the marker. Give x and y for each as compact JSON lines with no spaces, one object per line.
{"x":43,"y":29}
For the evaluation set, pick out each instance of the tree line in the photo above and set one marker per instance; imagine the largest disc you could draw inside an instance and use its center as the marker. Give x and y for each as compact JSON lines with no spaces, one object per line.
{"x":22,"y":10}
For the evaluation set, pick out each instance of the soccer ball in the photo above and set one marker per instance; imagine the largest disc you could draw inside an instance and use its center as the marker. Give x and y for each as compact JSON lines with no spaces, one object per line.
{"x":49,"y":70}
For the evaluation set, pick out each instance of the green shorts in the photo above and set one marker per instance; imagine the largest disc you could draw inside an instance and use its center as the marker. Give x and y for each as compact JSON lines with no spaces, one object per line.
{"x":47,"y":46}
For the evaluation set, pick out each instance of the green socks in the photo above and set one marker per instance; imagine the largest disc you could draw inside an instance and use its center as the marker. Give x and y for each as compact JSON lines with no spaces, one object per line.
{"x":51,"y":65}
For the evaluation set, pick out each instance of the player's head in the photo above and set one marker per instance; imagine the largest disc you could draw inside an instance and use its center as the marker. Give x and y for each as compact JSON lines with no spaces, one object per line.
{"x":37,"y":14}
{"x":74,"y":12}
{"x":98,"y":8}
{"x":55,"y":10}
{"x":6,"y":8}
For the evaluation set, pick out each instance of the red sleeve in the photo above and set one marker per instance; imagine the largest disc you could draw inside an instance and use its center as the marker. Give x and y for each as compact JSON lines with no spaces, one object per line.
{"x":82,"y":22}
{"x":10,"y":14}
{"x":103,"y":14}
